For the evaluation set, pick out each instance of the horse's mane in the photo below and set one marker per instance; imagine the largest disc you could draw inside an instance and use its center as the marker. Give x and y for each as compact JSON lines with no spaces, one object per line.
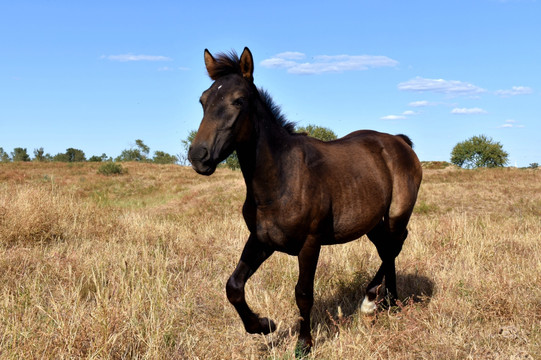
{"x":276,"y":112}
{"x":229,"y":63}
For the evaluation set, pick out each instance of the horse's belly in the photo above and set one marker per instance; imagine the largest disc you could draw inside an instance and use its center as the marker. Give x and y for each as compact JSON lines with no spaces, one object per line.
{"x":354,"y":224}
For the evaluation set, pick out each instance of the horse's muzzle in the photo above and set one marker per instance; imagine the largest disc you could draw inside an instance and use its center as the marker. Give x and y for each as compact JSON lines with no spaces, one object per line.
{"x":201,"y":161}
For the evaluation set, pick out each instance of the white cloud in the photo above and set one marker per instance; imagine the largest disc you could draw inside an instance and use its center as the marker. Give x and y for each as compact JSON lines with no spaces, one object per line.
{"x":131,"y":57}
{"x":421,"y":103}
{"x":511,"y":124}
{"x":468,"y":111}
{"x":409,"y":113}
{"x":393,"y":117}
{"x":292,"y":62}
{"x":277,"y":62}
{"x":449,"y":87}
{"x":515,"y":90}
{"x":403,"y":116}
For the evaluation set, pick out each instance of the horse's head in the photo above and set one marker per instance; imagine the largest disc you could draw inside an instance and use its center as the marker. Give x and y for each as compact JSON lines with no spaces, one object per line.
{"x":226,"y":107}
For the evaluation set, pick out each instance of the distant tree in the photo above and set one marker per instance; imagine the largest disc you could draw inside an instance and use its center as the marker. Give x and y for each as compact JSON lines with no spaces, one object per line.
{"x":61,"y":157}
{"x":4,"y":156}
{"x":161,"y":157}
{"x":139,"y":152}
{"x":95,"y":158}
{"x":20,"y":154}
{"x":130,"y":155}
{"x":39,"y":155}
{"x":75,"y":155}
{"x":186,"y":143}
{"x":479,"y":151}
{"x":533,"y":165}
{"x":144,"y":149}
{"x":71,"y":155}
{"x":232,"y":161}
{"x":319,"y":132}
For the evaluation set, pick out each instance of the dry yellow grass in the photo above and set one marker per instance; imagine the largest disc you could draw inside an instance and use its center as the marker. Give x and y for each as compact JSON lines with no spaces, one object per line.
{"x":134,"y":266}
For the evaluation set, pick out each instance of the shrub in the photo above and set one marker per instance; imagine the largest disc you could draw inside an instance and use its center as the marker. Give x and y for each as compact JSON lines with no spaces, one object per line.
{"x":111,"y":168}
{"x":319,"y":132}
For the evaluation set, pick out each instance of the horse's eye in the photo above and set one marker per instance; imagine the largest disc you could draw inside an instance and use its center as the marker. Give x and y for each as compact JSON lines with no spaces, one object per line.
{"x":239,"y":102}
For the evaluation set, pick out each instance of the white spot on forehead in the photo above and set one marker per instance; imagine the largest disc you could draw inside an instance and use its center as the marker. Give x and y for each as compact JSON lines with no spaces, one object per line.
{"x":219,"y":87}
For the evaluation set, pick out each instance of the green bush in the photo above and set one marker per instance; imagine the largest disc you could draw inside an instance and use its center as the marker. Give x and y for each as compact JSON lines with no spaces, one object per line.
{"x":479,"y":151}
{"x":111,"y":168}
{"x":319,"y":132}
{"x":161,"y":157}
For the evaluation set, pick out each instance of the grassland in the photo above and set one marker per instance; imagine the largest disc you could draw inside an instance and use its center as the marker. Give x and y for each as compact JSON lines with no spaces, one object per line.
{"x":134,"y":267}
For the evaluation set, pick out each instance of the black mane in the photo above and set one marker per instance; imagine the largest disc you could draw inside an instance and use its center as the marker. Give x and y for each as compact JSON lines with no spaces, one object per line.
{"x":276,"y":112}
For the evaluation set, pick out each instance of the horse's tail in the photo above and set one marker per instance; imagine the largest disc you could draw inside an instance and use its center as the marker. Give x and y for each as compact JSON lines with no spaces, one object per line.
{"x":406,"y":139}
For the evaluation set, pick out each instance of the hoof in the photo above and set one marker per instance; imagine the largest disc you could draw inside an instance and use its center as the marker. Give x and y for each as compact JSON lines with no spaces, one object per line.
{"x":267,"y":326}
{"x":303,"y":348}
{"x":368,"y":307}
{"x":264,"y":326}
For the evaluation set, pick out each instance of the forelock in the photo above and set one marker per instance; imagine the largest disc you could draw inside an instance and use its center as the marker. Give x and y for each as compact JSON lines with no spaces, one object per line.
{"x":225,"y":64}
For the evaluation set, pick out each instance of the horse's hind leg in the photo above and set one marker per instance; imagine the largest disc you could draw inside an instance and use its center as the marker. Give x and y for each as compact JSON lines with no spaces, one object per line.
{"x":388,"y":237}
{"x":253,"y":255}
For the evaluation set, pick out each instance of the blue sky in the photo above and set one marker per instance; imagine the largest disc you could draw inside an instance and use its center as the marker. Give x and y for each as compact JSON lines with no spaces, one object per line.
{"x":98,"y":75}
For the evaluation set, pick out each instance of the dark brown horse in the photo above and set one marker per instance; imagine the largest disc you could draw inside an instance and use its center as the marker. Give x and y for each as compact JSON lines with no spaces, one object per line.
{"x":302,"y":193}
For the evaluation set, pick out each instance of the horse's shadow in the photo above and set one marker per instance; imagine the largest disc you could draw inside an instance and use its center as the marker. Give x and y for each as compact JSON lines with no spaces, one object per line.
{"x":332,"y":310}
{"x":346,"y":300}
{"x":337,"y":309}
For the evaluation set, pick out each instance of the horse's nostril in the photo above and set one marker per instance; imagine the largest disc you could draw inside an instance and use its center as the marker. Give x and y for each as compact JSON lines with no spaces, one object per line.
{"x":198,"y":153}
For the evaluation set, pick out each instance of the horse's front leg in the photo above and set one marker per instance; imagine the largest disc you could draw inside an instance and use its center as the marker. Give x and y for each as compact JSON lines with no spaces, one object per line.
{"x":304,"y":291}
{"x":253,"y":255}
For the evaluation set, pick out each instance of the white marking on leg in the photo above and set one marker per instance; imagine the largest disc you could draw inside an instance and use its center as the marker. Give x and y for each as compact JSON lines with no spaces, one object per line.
{"x":368,"y":307}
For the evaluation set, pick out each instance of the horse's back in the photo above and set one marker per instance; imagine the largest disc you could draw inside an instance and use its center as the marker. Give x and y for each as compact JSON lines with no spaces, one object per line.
{"x":404,"y":167}
{"x":395,"y":150}
{"x":367,"y":174}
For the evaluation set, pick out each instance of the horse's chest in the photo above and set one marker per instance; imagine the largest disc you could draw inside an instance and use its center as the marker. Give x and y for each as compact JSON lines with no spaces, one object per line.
{"x":278,"y":231}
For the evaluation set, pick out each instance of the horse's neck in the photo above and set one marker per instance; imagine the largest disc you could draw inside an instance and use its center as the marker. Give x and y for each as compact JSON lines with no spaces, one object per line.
{"x":261,"y":161}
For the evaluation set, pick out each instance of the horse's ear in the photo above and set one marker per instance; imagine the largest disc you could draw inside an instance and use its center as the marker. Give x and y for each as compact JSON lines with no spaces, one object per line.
{"x":247,"y":64}
{"x":210,"y":62}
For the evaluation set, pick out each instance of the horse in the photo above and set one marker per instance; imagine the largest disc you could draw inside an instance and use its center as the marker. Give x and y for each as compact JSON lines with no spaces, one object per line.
{"x":302,"y":193}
